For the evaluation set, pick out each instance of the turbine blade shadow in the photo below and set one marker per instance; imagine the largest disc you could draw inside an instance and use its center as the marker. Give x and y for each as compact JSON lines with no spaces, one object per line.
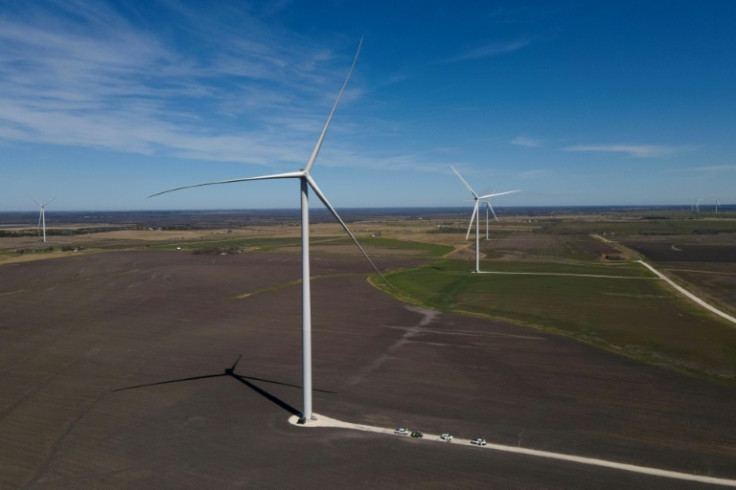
{"x":193,"y":378}
{"x":268,"y":396}
{"x":231,"y":370}
{"x":227,"y":372}
{"x":280,"y":383}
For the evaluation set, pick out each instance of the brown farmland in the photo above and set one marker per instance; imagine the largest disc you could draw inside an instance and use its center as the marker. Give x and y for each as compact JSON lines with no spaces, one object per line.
{"x":546,"y":246}
{"x":685,"y":252}
{"x":707,"y":264}
{"x":113,"y":376}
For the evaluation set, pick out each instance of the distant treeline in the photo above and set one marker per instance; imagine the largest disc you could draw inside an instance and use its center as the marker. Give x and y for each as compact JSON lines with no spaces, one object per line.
{"x":204,"y":219}
{"x":56,"y":231}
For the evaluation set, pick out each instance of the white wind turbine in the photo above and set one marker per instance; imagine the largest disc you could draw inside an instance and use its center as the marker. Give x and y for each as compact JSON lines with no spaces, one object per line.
{"x":488,"y":207}
{"x":306,"y":181}
{"x":42,"y":216}
{"x":476,"y":215}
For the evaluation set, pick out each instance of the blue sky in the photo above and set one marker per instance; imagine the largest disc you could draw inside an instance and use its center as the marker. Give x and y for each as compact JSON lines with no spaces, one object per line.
{"x":574,"y":103}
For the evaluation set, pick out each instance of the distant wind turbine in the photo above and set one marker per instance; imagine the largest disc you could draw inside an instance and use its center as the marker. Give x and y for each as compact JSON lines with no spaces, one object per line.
{"x":476,"y":214}
{"x":717,"y":206}
{"x":488,"y":207}
{"x":42,"y":216}
{"x":306,"y":181}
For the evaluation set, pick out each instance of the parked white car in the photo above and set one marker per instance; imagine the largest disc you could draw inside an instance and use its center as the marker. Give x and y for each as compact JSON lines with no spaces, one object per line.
{"x":478,"y":441}
{"x":401,"y":431}
{"x":446,"y":437}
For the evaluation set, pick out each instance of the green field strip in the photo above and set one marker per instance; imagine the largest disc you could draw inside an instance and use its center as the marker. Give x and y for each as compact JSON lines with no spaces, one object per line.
{"x":428,"y":249}
{"x":640,"y":319}
{"x":228,"y":243}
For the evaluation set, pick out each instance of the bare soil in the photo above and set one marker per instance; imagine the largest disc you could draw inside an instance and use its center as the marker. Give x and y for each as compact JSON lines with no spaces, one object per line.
{"x":115,"y":375}
{"x":676,"y":251}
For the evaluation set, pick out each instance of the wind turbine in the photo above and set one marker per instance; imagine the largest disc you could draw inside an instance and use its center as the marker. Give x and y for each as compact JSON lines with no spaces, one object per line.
{"x":488,"y":207}
{"x":42,"y":216}
{"x":306,"y":181}
{"x":717,"y":206}
{"x":476,"y":215}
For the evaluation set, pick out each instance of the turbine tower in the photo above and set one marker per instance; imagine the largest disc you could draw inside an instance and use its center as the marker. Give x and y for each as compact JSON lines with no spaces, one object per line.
{"x":42,"y":216}
{"x":476,"y":214}
{"x":306,"y":181}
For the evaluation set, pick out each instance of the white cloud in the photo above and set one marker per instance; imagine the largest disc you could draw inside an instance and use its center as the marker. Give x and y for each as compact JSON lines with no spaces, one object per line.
{"x":490,"y":49}
{"x":535,"y":173}
{"x":713,"y":168}
{"x":525,"y":141}
{"x":638,"y":151}
{"x":79,"y":73}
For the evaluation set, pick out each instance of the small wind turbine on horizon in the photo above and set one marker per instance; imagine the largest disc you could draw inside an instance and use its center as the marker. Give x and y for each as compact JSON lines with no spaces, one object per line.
{"x":476,"y":214}
{"x":306,"y":181}
{"x":42,"y":216}
{"x":488,"y":207}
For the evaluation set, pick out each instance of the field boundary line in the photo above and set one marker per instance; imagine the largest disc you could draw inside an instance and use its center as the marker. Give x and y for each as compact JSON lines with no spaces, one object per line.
{"x":565,"y":274}
{"x":322,"y":421}
{"x":688,"y":294}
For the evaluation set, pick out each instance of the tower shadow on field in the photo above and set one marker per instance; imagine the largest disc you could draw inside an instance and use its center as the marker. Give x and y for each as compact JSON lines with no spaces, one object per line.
{"x":246,"y":380}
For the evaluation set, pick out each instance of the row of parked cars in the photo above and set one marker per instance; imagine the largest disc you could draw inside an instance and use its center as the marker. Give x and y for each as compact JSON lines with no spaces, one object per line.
{"x":478,"y":441}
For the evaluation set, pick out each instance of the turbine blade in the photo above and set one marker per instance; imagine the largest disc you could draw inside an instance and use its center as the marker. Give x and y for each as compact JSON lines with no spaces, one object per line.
{"x":35,"y":201}
{"x":463,"y":180}
{"x":327,"y":204}
{"x":497,"y":194}
{"x":317,"y":147}
{"x":488,"y":203}
{"x":287,"y":175}
{"x":470,"y":226}
{"x":49,"y":201}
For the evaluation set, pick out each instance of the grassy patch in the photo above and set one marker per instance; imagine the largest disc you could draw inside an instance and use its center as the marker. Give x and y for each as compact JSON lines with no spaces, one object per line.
{"x":425,"y":249}
{"x":640,"y":318}
{"x":259,"y":243}
{"x":266,"y":244}
{"x":626,"y":269}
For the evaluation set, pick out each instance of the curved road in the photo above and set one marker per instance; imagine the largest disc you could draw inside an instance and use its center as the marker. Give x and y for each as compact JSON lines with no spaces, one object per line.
{"x":688,"y":294}
{"x":322,"y":421}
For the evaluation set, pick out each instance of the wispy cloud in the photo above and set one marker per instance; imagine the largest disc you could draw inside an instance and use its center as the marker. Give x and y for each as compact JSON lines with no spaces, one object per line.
{"x":534,"y":173}
{"x":717,"y":168}
{"x":85,"y":73}
{"x":708,"y":168}
{"x":490,"y":49}
{"x":638,"y":151}
{"x":525,"y":141}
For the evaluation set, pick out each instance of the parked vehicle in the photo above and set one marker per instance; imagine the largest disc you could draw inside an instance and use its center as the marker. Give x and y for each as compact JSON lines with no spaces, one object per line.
{"x":417,"y":434}
{"x":478,"y":441}
{"x":401,"y":431}
{"x":446,"y":437}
